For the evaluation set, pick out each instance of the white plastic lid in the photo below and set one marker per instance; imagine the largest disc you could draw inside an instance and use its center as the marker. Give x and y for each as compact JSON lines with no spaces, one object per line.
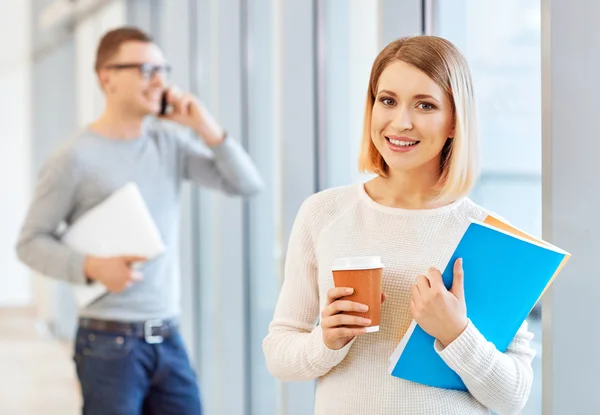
{"x":361,"y":262}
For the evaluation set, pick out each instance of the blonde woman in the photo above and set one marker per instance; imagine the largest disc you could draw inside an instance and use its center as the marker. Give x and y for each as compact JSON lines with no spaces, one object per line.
{"x":420,"y":140}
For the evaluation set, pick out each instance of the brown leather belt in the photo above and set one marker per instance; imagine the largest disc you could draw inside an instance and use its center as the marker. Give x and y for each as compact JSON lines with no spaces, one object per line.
{"x":153,"y":331}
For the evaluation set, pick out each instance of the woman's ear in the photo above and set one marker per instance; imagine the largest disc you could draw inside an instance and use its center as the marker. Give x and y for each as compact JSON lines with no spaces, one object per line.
{"x":452,"y":131}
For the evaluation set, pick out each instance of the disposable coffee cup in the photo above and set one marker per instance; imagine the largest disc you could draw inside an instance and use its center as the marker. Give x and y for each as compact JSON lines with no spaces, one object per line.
{"x":364,"y":275}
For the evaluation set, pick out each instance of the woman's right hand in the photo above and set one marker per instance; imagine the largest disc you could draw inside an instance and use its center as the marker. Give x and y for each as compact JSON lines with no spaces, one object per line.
{"x":333,"y":321}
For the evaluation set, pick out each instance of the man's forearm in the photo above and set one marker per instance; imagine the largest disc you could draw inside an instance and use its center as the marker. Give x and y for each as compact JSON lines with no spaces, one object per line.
{"x":229,"y":169}
{"x":48,"y":256}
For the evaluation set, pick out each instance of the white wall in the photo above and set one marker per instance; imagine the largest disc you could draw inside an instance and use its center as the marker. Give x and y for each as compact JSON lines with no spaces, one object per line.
{"x":570,"y":148}
{"x":15,"y":107}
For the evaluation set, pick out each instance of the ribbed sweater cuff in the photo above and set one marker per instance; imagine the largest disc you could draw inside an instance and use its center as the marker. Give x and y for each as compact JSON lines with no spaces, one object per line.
{"x":326,"y":357}
{"x":464,"y":353}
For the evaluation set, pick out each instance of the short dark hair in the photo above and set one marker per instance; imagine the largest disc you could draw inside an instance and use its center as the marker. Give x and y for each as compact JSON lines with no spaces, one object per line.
{"x":112,"y":40}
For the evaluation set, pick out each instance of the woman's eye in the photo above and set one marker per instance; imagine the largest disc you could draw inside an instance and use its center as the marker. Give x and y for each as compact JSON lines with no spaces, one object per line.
{"x":426,"y":106}
{"x":387,"y":101}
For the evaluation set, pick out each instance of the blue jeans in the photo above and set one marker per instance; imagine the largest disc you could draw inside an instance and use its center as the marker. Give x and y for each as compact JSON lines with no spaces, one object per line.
{"x":124,"y":375}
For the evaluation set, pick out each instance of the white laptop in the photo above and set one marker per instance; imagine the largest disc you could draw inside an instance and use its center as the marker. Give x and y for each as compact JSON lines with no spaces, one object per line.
{"x":120,"y":225}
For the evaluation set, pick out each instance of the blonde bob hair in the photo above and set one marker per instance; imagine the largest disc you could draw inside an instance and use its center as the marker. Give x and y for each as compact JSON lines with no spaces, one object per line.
{"x":445,"y":65}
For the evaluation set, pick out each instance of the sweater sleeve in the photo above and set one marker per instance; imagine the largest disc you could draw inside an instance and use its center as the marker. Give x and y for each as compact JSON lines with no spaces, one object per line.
{"x":39,"y":246}
{"x":500,"y":381}
{"x":294,"y":347}
{"x":226,"y":167}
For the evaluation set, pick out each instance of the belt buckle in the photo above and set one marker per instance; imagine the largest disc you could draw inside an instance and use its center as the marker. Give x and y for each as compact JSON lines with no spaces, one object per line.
{"x":148,"y":333}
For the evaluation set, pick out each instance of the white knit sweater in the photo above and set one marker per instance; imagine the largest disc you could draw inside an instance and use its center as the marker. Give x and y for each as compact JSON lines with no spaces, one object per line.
{"x":343,"y":222}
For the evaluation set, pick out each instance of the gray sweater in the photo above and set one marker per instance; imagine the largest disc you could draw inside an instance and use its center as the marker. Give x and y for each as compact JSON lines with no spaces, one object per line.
{"x":90,"y":167}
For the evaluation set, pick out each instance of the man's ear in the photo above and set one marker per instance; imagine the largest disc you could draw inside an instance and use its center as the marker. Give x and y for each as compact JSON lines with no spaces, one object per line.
{"x":103,"y":80}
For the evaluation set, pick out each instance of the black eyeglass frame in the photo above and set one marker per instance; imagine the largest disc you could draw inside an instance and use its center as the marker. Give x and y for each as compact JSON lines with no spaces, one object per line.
{"x":147,"y":70}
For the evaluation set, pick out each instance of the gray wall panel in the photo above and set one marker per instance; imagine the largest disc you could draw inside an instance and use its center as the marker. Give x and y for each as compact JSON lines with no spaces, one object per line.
{"x":571,"y":63}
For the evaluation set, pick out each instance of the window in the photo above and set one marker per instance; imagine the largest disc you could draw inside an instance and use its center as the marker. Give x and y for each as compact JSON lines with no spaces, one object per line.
{"x":502,"y":42}
{"x":350,"y":44}
{"x":265,"y":250}
{"x":297,"y":103}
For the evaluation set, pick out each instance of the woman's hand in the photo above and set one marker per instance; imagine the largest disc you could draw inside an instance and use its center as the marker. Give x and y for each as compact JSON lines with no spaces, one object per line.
{"x":334,"y":323}
{"x":440,"y":312}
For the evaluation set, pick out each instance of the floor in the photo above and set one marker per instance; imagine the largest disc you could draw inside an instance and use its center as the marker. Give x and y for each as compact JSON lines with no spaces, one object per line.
{"x":37,"y":375}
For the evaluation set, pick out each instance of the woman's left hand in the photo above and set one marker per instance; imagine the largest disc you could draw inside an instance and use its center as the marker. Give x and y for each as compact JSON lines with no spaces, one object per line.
{"x":440,"y":312}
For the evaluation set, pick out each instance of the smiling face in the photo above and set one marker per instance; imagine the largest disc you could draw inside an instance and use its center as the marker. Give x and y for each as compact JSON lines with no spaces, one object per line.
{"x":134,"y":78}
{"x":421,"y":116}
{"x":412,"y":119}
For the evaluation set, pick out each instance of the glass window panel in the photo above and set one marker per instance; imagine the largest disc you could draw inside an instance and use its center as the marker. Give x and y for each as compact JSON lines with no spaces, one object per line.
{"x":264,"y":217}
{"x":351,"y":44}
{"x":501,"y":41}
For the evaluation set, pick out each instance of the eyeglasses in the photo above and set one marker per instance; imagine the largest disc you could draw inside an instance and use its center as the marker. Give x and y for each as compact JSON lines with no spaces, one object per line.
{"x":147,"y":70}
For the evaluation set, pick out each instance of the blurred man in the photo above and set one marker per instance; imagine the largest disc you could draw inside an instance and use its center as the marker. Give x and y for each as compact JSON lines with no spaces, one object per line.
{"x":129,"y":355}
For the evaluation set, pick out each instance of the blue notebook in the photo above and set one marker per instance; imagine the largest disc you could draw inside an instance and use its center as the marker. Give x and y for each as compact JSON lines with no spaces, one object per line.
{"x":506,"y":273}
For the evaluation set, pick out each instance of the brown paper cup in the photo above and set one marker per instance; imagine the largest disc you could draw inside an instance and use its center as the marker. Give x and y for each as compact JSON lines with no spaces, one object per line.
{"x":364,"y":274}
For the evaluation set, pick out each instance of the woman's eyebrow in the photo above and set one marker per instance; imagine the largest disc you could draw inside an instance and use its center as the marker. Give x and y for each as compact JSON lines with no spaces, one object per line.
{"x":385,"y":91}
{"x":418,"y":96}
{"x":426,"y":96}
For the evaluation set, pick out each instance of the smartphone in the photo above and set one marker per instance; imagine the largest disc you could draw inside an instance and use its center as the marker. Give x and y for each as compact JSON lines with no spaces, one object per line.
{"x":163,"y":103}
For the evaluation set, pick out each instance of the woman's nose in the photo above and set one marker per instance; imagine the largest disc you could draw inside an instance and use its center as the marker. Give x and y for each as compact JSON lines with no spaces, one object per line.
{"x":402,"y":119}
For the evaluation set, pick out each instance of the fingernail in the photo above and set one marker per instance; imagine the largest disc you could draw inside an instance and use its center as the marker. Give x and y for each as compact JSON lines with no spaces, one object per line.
{"x":364,"y":307}
{"x":366,"y":321}
{"x":349,"y":290}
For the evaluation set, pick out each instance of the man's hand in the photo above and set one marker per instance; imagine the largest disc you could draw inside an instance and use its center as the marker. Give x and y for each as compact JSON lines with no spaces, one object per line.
{"x":115,"y":273}
{"x":189,"y":111}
